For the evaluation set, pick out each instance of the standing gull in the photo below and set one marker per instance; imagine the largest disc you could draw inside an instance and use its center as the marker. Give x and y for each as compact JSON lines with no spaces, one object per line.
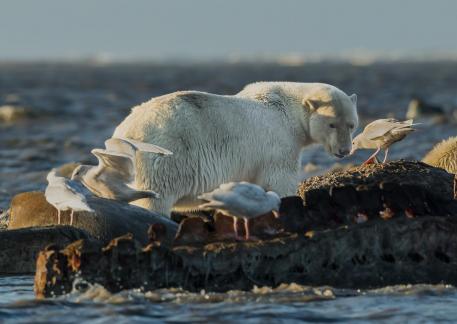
{"x":241,"y":200}
{"x":381,"y":134}
{"x":114,"y":177}
{"x":65,"y":194}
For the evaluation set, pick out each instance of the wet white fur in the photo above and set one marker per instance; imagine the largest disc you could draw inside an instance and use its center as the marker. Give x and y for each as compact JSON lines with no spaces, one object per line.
{"x":254,"y":136}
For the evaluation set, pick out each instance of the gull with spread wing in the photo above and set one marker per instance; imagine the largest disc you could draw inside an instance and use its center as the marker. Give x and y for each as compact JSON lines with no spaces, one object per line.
{"x":114,"y":177}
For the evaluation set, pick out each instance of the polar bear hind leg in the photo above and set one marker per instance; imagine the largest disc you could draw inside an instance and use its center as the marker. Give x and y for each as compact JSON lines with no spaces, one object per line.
{"x":161,"y":205}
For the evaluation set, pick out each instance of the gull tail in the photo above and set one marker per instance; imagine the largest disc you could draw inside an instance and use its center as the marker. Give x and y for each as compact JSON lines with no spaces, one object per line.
{"x":404,"y":130}
{"x":211,"y":205}
{"x":136,"y":193}
{"x":406,"y":127}
{"x":410,"y":123}
{"x":149,"y":194}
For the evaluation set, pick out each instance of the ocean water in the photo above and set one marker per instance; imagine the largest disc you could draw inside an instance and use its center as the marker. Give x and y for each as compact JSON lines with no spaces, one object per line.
{"x":285,"y":304}
{"x":58,"y":112}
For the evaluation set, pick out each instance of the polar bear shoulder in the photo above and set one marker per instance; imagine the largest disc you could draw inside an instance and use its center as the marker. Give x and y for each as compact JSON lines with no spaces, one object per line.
{"x":287,"y":91}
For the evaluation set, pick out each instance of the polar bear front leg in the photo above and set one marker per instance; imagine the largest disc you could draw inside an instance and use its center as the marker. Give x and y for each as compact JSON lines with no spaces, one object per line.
{"x":161,"y":205}
{"x":282,"y":181}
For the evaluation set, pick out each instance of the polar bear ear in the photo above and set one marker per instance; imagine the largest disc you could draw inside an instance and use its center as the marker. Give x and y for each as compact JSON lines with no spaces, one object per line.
{"x":353,"y":98}
{"x":311,"y":104}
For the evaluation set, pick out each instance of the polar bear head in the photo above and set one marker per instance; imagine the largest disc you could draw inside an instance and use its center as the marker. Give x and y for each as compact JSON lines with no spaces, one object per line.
{"x":332,"y":118}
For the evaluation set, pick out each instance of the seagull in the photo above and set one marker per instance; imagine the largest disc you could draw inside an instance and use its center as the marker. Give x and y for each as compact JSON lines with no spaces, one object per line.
{"x":241,"y":200}
{"x":114,"y":177}
{"x":381,"y":134}
{"x":65,"y":194}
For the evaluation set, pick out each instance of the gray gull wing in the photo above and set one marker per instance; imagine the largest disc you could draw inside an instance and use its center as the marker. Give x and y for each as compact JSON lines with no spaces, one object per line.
{"x":250,"y":191}
{"x":129,"y":146}
{"x":115,"y":162}
{"x":65,"y":194}
{"x":378,"y":128}
{"x":121,"y":146}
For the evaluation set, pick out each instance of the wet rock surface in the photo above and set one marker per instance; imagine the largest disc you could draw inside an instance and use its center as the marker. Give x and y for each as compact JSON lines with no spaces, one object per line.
{"x":369,"y":226}
{"x":20,"y":247}
{"x":369,"y":192}
{"x":111,"y":219}
{"x":397,"y":251}
{"x":455,"y":187}
{"x":32,"y":225}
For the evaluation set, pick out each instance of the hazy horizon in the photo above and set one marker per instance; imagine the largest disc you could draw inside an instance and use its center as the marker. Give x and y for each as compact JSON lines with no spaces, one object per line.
{"x":213,"y":29}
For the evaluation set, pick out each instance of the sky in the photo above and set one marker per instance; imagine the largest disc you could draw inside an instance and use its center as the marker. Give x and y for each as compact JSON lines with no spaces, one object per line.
{"x":218,"y":29}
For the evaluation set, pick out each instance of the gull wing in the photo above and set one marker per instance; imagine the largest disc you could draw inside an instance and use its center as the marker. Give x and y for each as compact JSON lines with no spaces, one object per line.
{"x":379,"y":128}
{"x":228,"y":201}
{"x":120,"y":146}
{"x":394,"y":127}
{"x":232,"y":191}
{"x":212,"y":204}
{"x":216,"y":199}
{"x":402,"y":131}
{"x":216,"y":195}
{"x":57,"y":194}
{"x":115,"y":162}
{"x":125,"y":145}
{"x":250,"y":191}
{"x":245,"y":202}
{"x":62,"y":193}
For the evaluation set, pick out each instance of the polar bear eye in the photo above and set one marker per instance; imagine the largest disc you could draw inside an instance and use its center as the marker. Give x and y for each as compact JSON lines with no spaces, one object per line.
{"x":332,"y":126}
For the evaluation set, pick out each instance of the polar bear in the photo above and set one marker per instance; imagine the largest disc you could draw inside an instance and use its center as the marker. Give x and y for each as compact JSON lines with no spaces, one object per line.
{"x":256,"y":136}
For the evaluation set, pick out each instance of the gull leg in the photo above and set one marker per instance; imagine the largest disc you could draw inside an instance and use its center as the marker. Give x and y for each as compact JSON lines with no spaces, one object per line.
{"x":235,"y":227}
{"x":372,"y":156}
{"x":385,"y":155}
{"x":246,"y":228}
{"x":71,"y":217}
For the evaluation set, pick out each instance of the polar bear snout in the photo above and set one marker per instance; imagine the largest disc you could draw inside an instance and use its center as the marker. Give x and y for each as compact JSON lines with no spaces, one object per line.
{"x":342,"y":153}
{"x":341,"y":143}
{"x":334,"y":133}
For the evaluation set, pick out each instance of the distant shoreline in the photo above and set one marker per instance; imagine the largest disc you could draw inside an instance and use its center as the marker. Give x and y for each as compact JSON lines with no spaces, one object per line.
{"x":292,"y":59}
